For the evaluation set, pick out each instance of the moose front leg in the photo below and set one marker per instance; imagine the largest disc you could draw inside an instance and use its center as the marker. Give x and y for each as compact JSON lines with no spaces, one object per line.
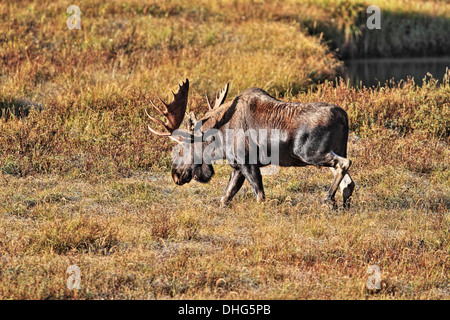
{"x":234,"y":184}
{"x":253,"y":174}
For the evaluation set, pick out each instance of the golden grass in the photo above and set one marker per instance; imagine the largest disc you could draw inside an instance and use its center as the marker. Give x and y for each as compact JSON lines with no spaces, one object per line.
{"x":143,"y":237}
{"x":83,"y":183}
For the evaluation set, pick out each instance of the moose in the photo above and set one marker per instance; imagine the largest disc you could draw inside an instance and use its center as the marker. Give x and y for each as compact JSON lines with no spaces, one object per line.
{"x":310,"y":134}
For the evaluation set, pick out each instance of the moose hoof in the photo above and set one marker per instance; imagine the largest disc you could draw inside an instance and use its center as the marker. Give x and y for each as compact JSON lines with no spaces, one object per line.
{"x":346,"y":204}
{"x":331,"y":203}
{"x":224,"y":202}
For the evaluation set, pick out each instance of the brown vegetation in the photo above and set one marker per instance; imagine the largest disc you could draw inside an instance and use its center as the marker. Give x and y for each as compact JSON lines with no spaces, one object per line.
{"x":83,"y":182}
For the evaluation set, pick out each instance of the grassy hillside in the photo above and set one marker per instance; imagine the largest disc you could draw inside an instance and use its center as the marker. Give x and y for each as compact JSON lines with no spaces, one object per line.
{"x":83,"y":182}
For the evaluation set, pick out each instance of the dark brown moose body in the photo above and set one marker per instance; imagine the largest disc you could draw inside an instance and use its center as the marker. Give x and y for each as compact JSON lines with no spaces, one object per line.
{"x":294,"y":134}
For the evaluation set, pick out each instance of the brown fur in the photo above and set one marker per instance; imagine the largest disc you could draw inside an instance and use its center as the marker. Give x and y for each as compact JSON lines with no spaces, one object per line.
{"x":268,"y":112}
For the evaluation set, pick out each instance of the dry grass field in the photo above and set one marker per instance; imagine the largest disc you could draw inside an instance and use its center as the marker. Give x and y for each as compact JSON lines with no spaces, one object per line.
{"x":82,"y":182}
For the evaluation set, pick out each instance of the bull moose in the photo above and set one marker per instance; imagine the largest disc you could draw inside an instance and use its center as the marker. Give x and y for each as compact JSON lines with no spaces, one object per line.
{"x":309,"y":134}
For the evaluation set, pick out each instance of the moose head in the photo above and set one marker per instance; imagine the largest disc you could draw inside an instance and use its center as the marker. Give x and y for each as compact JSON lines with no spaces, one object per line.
{"x":187,"y":158}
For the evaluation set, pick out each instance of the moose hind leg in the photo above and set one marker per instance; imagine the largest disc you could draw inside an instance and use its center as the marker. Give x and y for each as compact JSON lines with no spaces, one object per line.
{"x":346,"y":186}
{"x":340,"y":166}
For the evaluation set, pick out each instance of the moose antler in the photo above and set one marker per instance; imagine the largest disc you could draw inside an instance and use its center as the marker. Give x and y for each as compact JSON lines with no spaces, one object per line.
{"x":219,"y":98}
{"x":174,"y":111}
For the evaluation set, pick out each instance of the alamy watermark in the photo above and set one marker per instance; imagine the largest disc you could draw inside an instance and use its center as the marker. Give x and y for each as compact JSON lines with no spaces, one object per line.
{"x":374,"y":280}
{"x":74,"y":20}
{"x":374,"y":20}
{"x":74,"y":279}
{"x":236,"y":146}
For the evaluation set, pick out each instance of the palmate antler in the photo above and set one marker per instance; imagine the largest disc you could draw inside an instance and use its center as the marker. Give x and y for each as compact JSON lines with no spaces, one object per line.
{"x":174,"y":111}
{"x":220,"y":98}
